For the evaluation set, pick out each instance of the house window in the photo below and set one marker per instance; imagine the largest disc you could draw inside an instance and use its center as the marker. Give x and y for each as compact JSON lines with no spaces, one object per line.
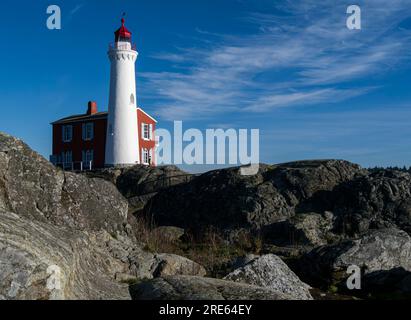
{"x":88,"y":131}
{"x":145,"y":156}
{"x":132,"y":99}
{"x":67,"y":157}
{"x":67,"y":133}
{"x":145,"y":128}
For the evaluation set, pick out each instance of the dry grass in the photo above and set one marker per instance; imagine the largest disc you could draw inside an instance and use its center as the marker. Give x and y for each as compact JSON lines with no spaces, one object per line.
{"x":208,"y":248}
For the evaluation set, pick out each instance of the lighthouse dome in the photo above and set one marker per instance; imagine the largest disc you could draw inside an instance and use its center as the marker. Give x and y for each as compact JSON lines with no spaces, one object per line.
{"x":122,"y":34}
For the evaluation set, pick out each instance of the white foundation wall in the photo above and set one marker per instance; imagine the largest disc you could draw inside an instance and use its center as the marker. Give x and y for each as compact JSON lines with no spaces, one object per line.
{"x":122,"y":147}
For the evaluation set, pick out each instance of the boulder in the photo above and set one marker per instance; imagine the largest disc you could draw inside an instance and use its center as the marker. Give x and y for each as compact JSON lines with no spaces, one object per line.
{"x":199,"y":288}
{"x":145,"y":265}
{"x":32,"y":187}
{"x":142,"y":264}
{"x":382,"y":249}
{"x":388,"y":283}
{"x":269,"y":271}
{"x":171,"y":264}
{"x":39,"y":261}
{"x":307,"y":229}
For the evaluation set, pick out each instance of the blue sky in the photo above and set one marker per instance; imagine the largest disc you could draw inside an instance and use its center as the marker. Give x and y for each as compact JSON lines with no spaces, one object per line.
{"x":290,"y":68}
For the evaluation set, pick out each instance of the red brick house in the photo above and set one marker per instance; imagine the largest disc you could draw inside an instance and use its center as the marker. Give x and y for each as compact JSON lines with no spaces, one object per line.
{"x":79,"y":141}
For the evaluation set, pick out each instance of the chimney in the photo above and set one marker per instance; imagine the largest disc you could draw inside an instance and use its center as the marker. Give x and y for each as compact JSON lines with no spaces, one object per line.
{"x":92,"y":108}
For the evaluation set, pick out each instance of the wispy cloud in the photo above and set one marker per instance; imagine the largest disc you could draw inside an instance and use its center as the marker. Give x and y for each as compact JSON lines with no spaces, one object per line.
{"x":76,"y":9}
{"x":303,"y":56}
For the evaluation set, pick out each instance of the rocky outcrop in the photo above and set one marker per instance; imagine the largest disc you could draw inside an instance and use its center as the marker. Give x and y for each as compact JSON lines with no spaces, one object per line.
{"x":198,"y":288}
{"x":378,"y":200}
{"x":39,"y":261}
{"x":69,"y":236}
{"x":227,"y":200}
{"x":269,"y":271}
{"x":32,"y":187}
{"x":139,"y":179}
{"x":378,"y":250}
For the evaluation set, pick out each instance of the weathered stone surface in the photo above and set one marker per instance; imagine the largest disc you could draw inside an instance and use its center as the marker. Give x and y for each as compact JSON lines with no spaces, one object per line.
{"x":141,"y":180}
{"x":387,"y":283}
{"x":269,"y":271}
{"x":378,"y":250}
{"x":378,"y":200}
{"x":227,"y":200}
{"x":199,"y":288}
{"x":146,"y":265}
{"x":32,"y":187}
{"x":39,"y":261}
{"x":171,"y":264}
{"x":311,"y":229}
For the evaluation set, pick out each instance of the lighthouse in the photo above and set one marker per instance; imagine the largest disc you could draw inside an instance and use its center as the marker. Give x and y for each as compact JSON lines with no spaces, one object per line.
{"x":123,"y":136}
{"x":122,"y":142}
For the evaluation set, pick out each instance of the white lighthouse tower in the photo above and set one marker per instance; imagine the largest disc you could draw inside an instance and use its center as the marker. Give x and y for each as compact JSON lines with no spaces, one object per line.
{"x":122,"y":147}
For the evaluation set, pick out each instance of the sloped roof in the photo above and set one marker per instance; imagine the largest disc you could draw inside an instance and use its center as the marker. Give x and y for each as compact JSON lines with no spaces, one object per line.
{"x":82,"y":117}
{"x":91,"y":117}
{"x":123,"y":32}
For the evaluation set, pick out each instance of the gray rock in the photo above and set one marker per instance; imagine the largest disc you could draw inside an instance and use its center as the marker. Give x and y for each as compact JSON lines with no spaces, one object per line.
{"x":199,"y":288}
{"x":39,"y":261}
{"x":32,"y":187}
{"x":269,"y":271}
{"x":378,"y":200}
{"x":145,"y":265}
{"x":171,"y":264}
{"x":141,"y":180}
{"x":378,"y":250}
{"x":311,"y":229}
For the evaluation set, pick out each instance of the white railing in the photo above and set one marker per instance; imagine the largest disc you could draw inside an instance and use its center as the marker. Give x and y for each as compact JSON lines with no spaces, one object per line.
{"x":75,"y":166}
{"x":122,"y":46}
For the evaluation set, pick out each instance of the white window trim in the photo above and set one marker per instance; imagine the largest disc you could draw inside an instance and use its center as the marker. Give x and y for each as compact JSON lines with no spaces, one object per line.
{"x":143,"y":127}
{"x":65,"y":139}
{"x":84,"y":131}
{"x":150,"y":132}
{"x":145,"y":152}
{"x":67,"y":155}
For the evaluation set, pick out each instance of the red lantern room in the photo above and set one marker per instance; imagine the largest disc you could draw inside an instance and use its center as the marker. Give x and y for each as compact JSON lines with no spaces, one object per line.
{"x":123,"y":34}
